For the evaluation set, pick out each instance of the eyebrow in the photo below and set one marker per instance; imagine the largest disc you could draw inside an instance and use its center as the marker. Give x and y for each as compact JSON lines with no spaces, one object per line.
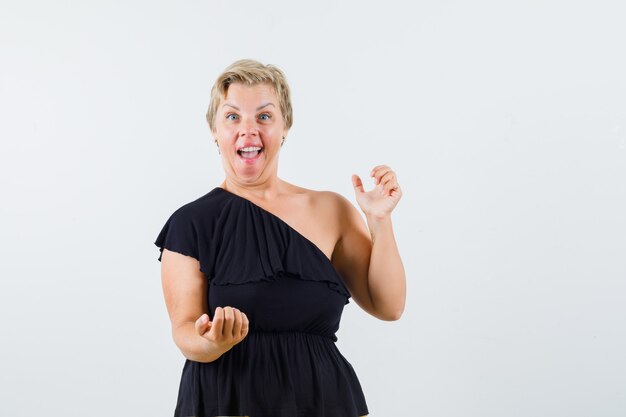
{"x":258,"y":108}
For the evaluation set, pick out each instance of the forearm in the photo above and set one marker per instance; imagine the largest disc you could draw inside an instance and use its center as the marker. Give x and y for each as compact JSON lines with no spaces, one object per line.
{"x":386,"y":276}
{"x":193,"y":346}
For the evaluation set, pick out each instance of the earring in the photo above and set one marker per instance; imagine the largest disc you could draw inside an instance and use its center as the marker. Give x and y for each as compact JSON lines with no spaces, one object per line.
{"x":281,"y":143}
{"x":218,"y":147}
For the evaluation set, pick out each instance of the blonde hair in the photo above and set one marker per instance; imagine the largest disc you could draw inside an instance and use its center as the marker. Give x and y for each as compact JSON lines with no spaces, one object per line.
{"x":250,"y":72}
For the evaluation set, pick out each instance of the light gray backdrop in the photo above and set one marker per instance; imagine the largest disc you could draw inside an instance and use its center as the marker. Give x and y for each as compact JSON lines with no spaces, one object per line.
{"x":506,"y":125}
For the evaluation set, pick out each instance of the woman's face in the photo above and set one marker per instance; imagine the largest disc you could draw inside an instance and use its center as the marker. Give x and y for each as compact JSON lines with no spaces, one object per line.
{"x":249,"y":116}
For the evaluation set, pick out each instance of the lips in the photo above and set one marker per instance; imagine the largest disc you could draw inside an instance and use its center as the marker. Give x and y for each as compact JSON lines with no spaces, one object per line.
{"x":249,"y":145}
{"x":249,"y":157}
{"x":241,"y":152}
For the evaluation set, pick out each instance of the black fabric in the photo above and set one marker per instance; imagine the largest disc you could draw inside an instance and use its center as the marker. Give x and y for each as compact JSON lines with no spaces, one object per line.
{"x":288,"y":365}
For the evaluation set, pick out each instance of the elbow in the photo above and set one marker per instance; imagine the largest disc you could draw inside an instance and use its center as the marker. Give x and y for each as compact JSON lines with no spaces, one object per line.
{"x":386,"y":311}
{"x":395,"y":316}
{"x":391,"y":315}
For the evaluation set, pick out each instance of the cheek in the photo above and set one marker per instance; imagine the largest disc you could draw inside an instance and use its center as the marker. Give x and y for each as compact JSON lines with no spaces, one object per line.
{"x":225,"y":129}
{"x":266,"y":131}
{"x":269,"y":130}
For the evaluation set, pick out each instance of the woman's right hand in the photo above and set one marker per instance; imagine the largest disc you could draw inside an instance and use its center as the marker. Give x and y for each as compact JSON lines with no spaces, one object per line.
{"x":229,"y":327}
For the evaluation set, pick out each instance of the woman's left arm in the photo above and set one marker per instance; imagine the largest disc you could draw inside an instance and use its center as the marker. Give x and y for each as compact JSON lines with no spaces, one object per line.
{"x":367,"y":256}
{"x":386,"y":278}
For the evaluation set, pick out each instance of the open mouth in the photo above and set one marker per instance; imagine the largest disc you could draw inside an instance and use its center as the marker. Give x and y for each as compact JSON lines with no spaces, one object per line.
{"x":250,"y":153}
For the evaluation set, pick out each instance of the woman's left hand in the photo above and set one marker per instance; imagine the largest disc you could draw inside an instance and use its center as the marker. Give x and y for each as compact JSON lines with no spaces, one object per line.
{"x":380,"y":201}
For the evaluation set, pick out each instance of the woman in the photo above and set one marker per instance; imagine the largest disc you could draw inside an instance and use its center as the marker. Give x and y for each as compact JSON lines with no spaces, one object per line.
{"x":257,"y":271}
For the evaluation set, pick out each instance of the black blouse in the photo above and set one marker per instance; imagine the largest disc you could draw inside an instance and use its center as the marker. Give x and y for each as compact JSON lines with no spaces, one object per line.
{"x":288,"y":365}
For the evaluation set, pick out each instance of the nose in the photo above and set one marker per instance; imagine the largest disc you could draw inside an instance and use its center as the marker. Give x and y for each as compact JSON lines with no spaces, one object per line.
{"x":249,"y":127}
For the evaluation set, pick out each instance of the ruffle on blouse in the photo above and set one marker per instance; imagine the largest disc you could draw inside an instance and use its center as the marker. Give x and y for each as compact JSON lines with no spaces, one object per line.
{"x":239,"y":242}
{"x":252,"y":245}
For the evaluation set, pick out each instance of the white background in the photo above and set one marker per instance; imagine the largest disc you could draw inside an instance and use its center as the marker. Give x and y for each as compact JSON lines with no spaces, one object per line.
{"x":506,"y":125}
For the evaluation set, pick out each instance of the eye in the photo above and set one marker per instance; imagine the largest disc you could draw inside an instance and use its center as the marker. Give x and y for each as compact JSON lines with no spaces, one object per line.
{"x":265,"y":114}
{"x":231,"y":114}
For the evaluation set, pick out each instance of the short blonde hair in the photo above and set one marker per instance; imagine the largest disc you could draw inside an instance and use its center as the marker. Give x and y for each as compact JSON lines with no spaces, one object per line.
{"x":250,"y":72}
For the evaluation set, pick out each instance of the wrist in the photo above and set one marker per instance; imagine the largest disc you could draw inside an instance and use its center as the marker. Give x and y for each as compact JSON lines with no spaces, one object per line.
{"x":377,"y":217}
{"x":211,"y":350}
{"x":378,"y":223}
{"x":195,"y":347}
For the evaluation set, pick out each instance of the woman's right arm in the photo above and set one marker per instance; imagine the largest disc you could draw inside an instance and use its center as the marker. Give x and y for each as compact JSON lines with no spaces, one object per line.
{"x":184,"y":289}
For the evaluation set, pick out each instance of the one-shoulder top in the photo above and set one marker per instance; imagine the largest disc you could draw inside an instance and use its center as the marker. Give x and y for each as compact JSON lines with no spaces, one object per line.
{"x":288,"y":365}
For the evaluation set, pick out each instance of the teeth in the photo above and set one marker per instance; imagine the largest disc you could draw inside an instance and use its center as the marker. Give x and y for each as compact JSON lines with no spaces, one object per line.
{"x":250,"y":149}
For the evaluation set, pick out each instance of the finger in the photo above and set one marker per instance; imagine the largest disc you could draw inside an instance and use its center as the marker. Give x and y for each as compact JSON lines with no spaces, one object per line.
{"x":218,"y":323}
{"x":357,"y":183}
{"x":238,"y":324}
{"x":373,"y":171}
{"x":391,"y":187}
{"x":229,"y":319}
{"x":380,"y":173}
{"x":388,"y":180}
{"x":376,"y":168}
{"x":246,"y":325}
{"x":201,"y":324}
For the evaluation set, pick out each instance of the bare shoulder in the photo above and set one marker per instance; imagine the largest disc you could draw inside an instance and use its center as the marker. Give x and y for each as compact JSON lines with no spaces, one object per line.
{"x":330,"y":200}
{"x":338,"y":216}
{"x":339,"y":207}
{"x":330,"y":205}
